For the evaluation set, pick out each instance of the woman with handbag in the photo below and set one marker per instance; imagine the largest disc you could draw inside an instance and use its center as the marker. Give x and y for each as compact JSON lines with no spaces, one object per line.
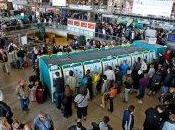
{"x":82,"y":103}
{"x":23,"y":93}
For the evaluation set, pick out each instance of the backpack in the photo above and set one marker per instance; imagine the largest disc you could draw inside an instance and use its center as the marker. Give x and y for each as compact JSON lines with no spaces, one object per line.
{"x":11,"y":48}
{"x":5,"y":109}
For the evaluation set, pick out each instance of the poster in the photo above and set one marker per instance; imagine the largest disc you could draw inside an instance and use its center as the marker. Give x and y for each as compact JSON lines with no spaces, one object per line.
{"x":59,"y":3}
{"x":93,"y":67}
{"x":153,"y":7}
{"x":125,"y":58}
{"x":135,"y":57}
{"x":112,"y":62}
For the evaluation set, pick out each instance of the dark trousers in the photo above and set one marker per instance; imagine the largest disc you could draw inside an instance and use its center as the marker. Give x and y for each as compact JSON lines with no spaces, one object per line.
{"x":24,"y":104}
{"x":111,"y":105}
{"x":81,"y":112}
{"x":58,"y":100}
{"x":141,"y":92}
{"x":90,"y":92}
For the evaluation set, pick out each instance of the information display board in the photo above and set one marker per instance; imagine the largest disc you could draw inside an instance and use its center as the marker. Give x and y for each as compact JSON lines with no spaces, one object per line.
{"x":123,"y":58}
{"x":93,"y":66}
{"x":110,"y":61}
{"x":53,"y":69}
{"x":77,"y":68}
{"x":153,"y":7}
{"x":135,"y":57}
{"x":58,"y":2}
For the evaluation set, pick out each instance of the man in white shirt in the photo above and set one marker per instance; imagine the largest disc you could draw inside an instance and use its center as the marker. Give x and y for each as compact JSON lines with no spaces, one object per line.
{"x":104,"y":124}
{"x":82,"y":103}
{"x":110,"y":74}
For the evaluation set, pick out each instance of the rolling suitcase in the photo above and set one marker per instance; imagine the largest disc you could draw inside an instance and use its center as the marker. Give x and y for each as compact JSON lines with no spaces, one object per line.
{"x":40,"y":95}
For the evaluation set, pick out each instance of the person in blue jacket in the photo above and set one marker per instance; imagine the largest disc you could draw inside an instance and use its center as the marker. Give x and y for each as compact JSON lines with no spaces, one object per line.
{"x":124,"y":67}
{"x":128,"y":118}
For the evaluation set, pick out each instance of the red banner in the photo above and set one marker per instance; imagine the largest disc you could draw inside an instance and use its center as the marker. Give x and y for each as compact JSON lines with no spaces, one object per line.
{"x":81,"y":24}
{"x":84,"y":24}
{"x":76,"y":23}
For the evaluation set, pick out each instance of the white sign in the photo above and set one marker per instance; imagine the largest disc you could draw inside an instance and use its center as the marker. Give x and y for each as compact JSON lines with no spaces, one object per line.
{"x":58,"y":2}
{"x":153,"y":7}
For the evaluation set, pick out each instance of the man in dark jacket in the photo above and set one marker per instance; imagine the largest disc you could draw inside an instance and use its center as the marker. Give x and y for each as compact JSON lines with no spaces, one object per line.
{"x":5,"y":110}
{"x":21,"y":54}
{"x":79,"y":126}
{"x":153,"y":118}
{"x":87,"y":82}
{"x":128,"y":118}
{"x":59,"y":86}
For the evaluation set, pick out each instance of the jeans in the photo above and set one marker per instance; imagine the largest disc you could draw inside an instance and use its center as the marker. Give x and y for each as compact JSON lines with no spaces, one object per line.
{"x":21,"y":62}
{"x":126,"y":94}
{"x":58,"y":99}
{"x":141,"y":92}
{"x":24,"y":104}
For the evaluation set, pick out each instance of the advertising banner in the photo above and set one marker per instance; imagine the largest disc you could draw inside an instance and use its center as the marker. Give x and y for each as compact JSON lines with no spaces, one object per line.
{"x":153,"y":7}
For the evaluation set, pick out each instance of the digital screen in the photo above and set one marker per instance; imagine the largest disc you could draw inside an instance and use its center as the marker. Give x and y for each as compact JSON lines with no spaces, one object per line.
{"x":58,"y":2}
{"x":153,"y":7}
{"x":171,"y":37}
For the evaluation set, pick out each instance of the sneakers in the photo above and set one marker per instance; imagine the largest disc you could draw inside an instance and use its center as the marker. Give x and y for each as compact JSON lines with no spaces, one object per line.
{"x":102,"y":106}
{"x":140,"y":101}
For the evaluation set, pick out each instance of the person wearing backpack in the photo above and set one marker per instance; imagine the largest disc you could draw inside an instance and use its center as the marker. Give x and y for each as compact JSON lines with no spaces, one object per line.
{"x":128,"y":118}
{"x":5,"y":110}
{"x":87,"y":82}
{"x":11,"y":50}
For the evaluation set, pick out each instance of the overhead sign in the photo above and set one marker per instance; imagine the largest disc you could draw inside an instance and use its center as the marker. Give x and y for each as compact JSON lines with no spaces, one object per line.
{"x":82,"y":24}
{"x":59,"y":3}
{"x":153,"y":7}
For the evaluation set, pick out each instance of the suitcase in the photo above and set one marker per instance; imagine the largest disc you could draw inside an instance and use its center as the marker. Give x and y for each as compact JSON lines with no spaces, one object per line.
{"x":26,"y":64}
{"x":40,"y":95}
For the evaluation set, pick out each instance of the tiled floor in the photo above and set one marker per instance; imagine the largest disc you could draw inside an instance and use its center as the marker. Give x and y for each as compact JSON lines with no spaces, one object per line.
{"x":95,"y":112}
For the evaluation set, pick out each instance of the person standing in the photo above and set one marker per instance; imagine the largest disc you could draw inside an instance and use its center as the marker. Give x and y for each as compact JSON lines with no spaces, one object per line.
{"x":128,"y":83}
{"x":87,"y":82}
{"x":170,"y":124}
{"x":128,"y":118}
{"x":43,"y":122}
{"x":5,"y":110}
{"x":143,"y":84}
{"x":104,"y":90}
{"x":4,"y":61}
{"x":124,"y":67}
{"x":67,"y":102}
{"x":111,"y":95}
{"x":103,"y":125}
{"x":82,"y":103}
{"x":95,"y":80}
{"x":4,"y":125}
{"x":12,"y":52}
{"x":21,"y":54}
{"x":59,"y":92}
{"x":71,"y":81}
{"x":78,"y":126}
{"x":23,"y":93}
{"x":110,"y":74}
{"x":153,"y":118}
